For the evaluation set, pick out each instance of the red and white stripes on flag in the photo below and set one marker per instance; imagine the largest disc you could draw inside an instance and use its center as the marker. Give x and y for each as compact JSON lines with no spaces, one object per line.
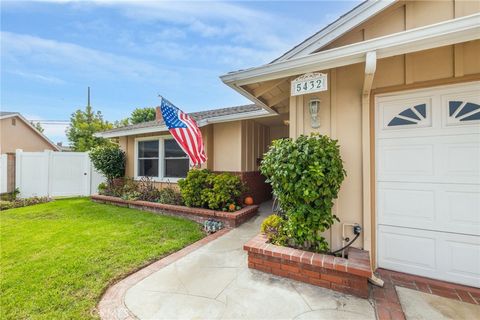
{"x":185,"y":131}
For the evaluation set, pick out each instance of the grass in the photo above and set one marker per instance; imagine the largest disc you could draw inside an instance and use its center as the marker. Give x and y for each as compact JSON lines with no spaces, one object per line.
{"x":58,"y":258}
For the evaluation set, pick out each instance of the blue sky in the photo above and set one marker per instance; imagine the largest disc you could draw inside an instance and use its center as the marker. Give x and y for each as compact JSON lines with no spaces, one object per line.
{"x":128,"y":52}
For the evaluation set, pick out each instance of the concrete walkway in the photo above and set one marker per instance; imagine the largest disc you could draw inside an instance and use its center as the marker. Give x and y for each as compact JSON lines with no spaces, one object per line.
{"x":214,"y":282}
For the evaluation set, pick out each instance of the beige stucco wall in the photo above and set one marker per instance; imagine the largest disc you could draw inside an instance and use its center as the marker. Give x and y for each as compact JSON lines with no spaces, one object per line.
{"x":341,"y":106}
{"x":230,"y":146}
{"x":20,"y":136}
{"x":227,"y":144}
{"x":405,"y":15}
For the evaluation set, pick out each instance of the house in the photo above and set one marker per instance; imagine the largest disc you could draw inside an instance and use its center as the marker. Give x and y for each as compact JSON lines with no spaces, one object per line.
{"x":235,"y":139}
{"x":16,"y":132}
{"x":398,"y":84}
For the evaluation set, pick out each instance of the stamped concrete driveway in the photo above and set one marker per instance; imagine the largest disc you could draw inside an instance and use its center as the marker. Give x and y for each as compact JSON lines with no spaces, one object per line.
{"x":214,"y":282}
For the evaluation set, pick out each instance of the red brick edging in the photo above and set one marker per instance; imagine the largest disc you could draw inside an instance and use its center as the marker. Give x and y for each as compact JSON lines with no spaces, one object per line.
{"x":344,"y":275}
{"x":230,"y":219}
{"x":112,"y":305}
{"x":387,"y":303}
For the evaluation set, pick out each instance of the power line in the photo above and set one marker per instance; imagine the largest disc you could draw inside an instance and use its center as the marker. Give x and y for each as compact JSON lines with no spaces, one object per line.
{"x":37,"y":120}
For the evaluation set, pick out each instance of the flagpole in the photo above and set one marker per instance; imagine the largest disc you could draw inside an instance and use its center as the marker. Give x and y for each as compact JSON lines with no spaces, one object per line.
{"x":163,"y":98}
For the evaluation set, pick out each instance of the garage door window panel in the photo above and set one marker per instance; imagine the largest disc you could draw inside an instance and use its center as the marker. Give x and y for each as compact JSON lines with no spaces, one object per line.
{"x":415,"y":115}
{"x":464,"y":111}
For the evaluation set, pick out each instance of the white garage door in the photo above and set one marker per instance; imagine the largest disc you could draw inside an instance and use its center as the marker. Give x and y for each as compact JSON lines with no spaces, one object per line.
{"x":428,"y":182}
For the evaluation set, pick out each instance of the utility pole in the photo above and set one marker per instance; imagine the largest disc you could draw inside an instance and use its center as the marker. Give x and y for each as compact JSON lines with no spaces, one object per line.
{"x":88,"y":97}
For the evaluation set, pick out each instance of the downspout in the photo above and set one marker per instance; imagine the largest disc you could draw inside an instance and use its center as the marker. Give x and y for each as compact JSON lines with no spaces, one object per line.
{"x":370,"y":68}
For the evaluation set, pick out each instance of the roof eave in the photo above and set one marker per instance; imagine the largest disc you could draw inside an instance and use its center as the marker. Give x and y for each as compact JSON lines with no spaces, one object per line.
{"x":333,"y":31}
{"x":423,"y":38}
{"x":6,"y":116}
{"x":201,"y":123}
{"x":251,"y":97}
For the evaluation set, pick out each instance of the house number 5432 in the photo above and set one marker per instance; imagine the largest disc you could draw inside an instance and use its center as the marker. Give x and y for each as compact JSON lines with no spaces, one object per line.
{"x":309,"y":83}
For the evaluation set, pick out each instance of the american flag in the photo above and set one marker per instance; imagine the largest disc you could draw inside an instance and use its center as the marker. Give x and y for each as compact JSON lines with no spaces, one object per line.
{"x":185,"y":131}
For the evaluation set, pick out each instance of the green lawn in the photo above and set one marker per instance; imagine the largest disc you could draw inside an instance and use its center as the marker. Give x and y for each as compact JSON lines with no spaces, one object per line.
{"x":58,"y":258}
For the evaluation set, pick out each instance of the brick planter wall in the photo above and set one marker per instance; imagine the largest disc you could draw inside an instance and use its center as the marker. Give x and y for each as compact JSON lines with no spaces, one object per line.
{"x":344,"y":275}
{"x":230,"y":219}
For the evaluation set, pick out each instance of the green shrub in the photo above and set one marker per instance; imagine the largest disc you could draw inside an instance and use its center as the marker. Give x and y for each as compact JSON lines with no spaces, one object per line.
{"x":109,"y":160}
{"x":30,"y":201}
{"x":169,"y":195}
{"x":273,"y":228}
{"x":204,"y":189}
{"x":224,"y":189}
{"x":147,"y":190}
{"x":192,"y":187}
{"x":115,"y":187}
{"x":10,"y":196}
{"x":102,"y":188}
{"x":129,"y":185}
{"x":131,"y":195}
{"x":4,"y":205}
{"x":305,"y":175}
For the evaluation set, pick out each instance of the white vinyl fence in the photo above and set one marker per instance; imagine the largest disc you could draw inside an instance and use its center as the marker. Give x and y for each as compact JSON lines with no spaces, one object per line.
{"x":3,"y":173}
{"x":55,"y":174}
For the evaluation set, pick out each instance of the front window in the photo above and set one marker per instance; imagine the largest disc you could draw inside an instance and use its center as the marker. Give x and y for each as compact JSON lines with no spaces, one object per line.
{"x":148,"y":158}
{"x":161,"y":158}
{"x":176,"y":161}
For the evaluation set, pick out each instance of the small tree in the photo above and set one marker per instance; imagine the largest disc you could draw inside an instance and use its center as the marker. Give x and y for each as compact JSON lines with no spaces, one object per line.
{"x":83,"y":125}
{"x":38,"y":126}
{"x":140,"y":115}
{"x":121,"y":123}
{"x":109,"y":160}
{"x":305,"y":175}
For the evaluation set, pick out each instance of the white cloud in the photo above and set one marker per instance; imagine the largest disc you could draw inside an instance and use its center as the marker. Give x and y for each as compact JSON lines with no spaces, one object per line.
{"x":209,"y":19}
{"x":20,"y":48}
{"x":38,"y":77}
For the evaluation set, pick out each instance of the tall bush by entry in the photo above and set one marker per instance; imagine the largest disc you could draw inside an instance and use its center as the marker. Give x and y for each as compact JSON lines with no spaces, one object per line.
{"x":109,"y":160}
{"x":305,"y":175}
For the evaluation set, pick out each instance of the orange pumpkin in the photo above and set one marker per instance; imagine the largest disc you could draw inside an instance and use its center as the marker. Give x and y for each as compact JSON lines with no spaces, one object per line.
{"x":248,"y":201}
{"x":232,"y":207}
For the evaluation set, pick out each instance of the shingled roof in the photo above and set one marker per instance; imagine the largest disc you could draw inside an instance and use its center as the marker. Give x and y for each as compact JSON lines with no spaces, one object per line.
{"x":198,"y":116}
{"x":7,"y":113}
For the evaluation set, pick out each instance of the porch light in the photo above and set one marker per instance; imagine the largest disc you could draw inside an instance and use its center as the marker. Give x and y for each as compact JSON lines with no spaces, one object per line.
{"x":314,"y":107}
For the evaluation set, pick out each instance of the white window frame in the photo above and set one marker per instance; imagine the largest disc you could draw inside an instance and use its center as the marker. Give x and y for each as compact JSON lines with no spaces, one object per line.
{"x":161,"y":159}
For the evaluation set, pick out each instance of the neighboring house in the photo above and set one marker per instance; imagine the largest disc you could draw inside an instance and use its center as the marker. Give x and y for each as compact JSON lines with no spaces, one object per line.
{"x":235,"y":139}
{"x":16,"y":132}
{"x":403,"y":100}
